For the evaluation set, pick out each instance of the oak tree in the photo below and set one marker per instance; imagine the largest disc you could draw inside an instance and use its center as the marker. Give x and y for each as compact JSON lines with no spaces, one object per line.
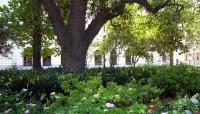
{"x":75,"y":37}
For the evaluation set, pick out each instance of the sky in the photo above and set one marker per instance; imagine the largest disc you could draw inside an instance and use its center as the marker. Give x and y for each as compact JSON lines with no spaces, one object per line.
{"x":2,"y":2}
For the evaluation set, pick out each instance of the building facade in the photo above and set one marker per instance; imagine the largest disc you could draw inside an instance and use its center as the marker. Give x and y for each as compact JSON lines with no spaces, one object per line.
{"x":117,"y":58}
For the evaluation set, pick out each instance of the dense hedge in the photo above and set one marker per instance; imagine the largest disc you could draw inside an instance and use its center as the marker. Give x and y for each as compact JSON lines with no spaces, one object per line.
{"x":173,"y":79}
{"x":182,"y":79}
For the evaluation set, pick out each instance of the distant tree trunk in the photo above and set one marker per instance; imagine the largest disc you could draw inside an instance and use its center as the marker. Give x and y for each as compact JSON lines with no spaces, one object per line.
{"x":37,"y":49}
{"x":171,"y":57}
{"x":135,"y":59}
{"x":134,"y":64}
{"x":104,"y":60}
{"x":37,"y":35}
{"x":113,"y":57}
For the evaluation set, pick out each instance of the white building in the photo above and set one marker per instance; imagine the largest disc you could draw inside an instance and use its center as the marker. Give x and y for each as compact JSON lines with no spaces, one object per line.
{"x":16,"y":59}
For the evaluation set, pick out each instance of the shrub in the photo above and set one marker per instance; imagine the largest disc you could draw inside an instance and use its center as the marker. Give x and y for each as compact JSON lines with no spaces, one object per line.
{"x":181,"y":105}
{"x":123,"y":75}
{"x":127,"y":89}
{"x":39,"y":84}
{"x":182,"y":80}
{"x":89,"y":96}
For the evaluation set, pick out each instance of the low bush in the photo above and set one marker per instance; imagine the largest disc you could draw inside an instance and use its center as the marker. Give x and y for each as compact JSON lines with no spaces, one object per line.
{"x":89,"y":96}
{"x":123,"y":75}
{"x":177,"y":80}
{"x":37,"y":84}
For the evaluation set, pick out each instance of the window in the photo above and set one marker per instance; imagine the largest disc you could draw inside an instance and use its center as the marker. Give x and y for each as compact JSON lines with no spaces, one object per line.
{"x":186,"y":57}
{"x":197,"y":56}
{"x":177,"y":61}
{"x":97,"y":58}
{"x":47,"y":61}
{"x":164,"y":58}
{"x":127,"y":58}
{"x":113,"y":57}
{"x":27,"y":61}
{"x":151,"y":58}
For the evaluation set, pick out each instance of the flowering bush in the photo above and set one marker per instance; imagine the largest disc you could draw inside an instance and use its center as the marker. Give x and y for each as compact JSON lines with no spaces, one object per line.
{"x":182,"y":105}
{"x":15,"y":103}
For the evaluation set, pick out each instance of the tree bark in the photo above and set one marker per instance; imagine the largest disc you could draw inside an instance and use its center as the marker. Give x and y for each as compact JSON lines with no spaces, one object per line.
{"x":74,"y":59}
{"x":37,"y":49}
{"x":104,"y":60}
{"x":171,"y":57}
{"x":37,"y":35}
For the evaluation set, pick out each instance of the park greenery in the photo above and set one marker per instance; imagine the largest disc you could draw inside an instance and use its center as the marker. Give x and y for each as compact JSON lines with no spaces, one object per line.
{"x":139,"y":90}
{"x":140,"y":27}
{"x":140,"y":33}
{"x":68,"y":27}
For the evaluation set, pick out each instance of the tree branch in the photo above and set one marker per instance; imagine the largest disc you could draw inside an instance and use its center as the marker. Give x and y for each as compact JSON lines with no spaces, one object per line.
{"x":102,"y":17}
{"x":55,"y":17}
{"x":105,"y":15}
{"x":148,"y":6}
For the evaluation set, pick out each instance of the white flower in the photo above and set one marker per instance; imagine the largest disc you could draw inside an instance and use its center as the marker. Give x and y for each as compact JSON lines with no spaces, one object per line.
{"x":32,"y":104}
{"x":188,"y":112}
{"x":24,"y":90}
{"x":194,"y":100}
{"x":164,"y":113}
{"x":53,"y":93}
{"x":27,"y":111}
{"x":110,"y":105}
{"x":7,"y":111}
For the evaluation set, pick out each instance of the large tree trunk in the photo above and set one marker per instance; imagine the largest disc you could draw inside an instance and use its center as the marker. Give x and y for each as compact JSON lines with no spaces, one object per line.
{"x":74,"y":59}
{"x":171,"y":57}
{"x":37,"y":34}
{"x":37,"y":48}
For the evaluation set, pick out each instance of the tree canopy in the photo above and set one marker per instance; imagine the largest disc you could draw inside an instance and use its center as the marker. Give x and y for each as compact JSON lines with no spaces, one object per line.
{"x":140,"y":33}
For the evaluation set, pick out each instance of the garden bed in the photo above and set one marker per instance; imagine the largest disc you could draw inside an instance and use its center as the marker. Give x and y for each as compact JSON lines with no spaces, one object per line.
{"x":140,"y":90}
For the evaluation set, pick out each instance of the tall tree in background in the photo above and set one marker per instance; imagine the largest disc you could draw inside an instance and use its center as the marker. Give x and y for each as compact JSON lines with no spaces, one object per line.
{"x":176,"y":28}
{"x":37,"y":33}
{"x":131,"y":32}
{"x":139,"y":32}
{"x":5,"y":38}
{"x":29,"y":26}
{"x":73,"y":36}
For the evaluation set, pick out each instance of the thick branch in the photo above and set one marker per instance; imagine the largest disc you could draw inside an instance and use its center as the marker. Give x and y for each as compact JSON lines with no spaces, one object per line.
{"x":55,"y":17}
{"x":101,"y":18}
{"x":76,"y":21}
{"x":148,"y":6}
{"x":104,"y":16}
